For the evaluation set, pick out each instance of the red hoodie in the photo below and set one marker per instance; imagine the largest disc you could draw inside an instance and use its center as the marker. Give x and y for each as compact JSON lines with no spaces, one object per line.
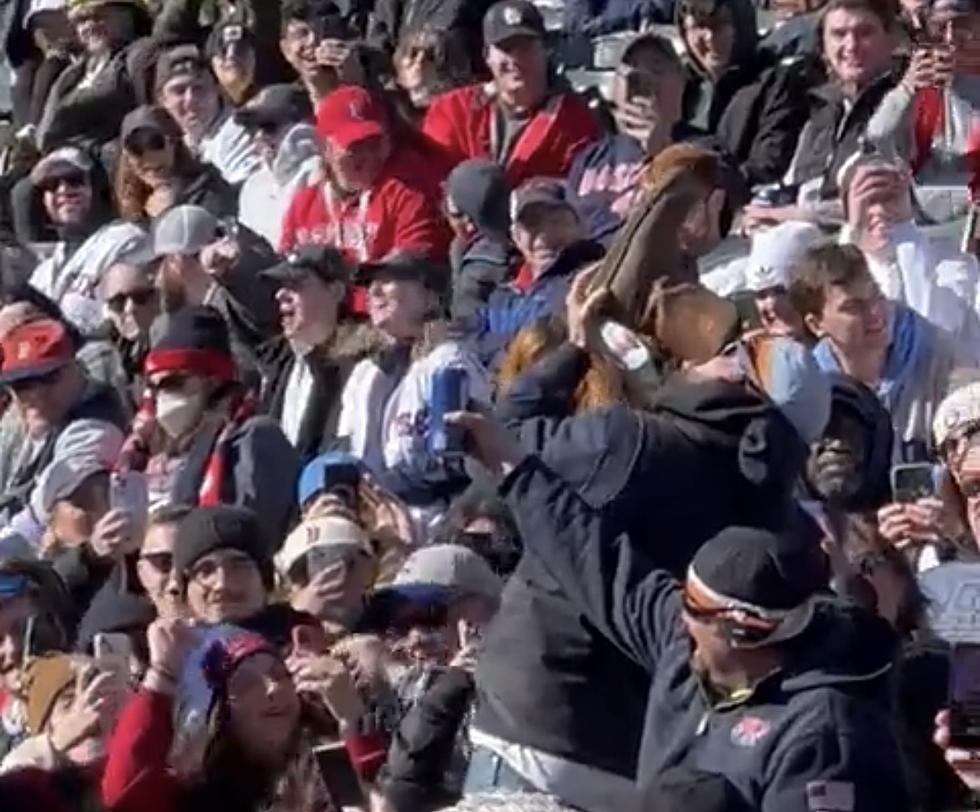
{"x":394,"y":213}
{"x":458,"y":124}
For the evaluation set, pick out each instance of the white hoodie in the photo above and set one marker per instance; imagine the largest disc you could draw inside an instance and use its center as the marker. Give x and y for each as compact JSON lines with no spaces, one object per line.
{"x":265,"y":196}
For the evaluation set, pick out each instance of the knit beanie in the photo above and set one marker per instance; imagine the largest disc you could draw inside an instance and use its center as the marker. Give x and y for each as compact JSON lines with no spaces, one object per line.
{"x":194,"y":339}
{"x":46,"y":678}
{"x":221,"y":527}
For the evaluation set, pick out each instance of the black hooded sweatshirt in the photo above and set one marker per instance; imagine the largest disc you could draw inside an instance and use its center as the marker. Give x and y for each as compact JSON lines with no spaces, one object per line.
{"x":708,"y":456}
{"x":816,"y":729}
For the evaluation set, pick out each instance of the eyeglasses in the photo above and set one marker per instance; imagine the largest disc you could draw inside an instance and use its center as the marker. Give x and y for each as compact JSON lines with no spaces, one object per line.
{"x":162,"y":562}
{"x":140,"y":298}
{"x":73,"y":180}
{"x":140,"y":143}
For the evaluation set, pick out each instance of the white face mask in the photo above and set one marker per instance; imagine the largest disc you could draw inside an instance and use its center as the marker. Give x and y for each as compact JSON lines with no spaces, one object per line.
{"x":179,"y":413}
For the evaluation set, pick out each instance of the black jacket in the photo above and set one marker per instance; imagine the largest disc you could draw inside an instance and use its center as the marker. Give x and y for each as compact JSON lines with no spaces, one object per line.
{"x":545,"y":662}
{"x":819,"y":727}
{"x":833,"y":134}
{"x":260,"y":469}
{"x":423,"y":746}
{"x":479,"y":267}
{"x":330,"y":367}
{"x":755,"y":108}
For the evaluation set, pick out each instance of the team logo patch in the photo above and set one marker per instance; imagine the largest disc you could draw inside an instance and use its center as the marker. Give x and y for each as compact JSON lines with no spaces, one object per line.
{"x":830,"y":796}
{"x":512,"y":15}
{"x":749,"y":731}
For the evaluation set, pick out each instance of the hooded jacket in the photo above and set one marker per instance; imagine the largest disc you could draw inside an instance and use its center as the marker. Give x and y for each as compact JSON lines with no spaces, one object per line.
{"x":755,"y":109}
{"x":267,"y":192}
{"x":546,"y":660}
{"x":859,"y":402}
{"x":814,"y":734}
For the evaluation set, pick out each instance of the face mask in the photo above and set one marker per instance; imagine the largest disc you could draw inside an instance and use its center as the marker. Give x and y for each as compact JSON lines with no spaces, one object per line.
{"x":178,"y":413}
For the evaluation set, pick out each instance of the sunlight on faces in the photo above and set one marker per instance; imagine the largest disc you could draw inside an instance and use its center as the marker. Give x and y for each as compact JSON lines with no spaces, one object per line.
{"x":74,"y":517}
{"x":224,"y":587}
{"x":966,"y":472}
{"x":44,"y":401}
{"x":67,"y":196}
{"x":308,"y":309}
{"x":298,"y":45}
{"x":235,"y":69}
{"x":836,"y":462}
{"x":711,"y":39}
{"x":131,"y":300}
{"x":520,"y":69}
{"x":98,"y":28}
{"x":192,"y":102}
{"x":356,"y":168}
{"x":776,"y":312}
{"x":543,"y":231}
{"x":856,"y":46}
{"x":855,"y":317}
{"x":666,"y":81}
{"x":155,"y":571}
{"x":399,"y":307}
{"x":91,"y":748}
{"x":263,"y":707}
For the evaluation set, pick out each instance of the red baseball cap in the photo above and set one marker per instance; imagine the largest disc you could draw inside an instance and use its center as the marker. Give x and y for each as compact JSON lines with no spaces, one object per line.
{"x":34,"y":349}
{"x":349,"y":114}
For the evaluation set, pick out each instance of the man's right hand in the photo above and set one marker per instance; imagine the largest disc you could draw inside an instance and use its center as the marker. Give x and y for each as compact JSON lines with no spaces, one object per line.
{"x":639,"y":118}
{"x":170,"y":641}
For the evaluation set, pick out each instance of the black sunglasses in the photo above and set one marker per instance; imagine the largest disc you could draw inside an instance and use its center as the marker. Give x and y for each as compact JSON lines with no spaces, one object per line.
{"x":139,"y":143}
{"x":171,"y":383}
{"x":139,"y":298}
{"x":73,"y":180}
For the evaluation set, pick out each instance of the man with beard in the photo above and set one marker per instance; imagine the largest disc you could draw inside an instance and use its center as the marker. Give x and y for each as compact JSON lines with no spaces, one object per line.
{"x":848,"y":466}
{"x":756,"y":673}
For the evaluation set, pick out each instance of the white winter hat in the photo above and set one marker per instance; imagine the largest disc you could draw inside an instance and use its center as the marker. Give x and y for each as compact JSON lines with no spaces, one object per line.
{"x":775,"y":251}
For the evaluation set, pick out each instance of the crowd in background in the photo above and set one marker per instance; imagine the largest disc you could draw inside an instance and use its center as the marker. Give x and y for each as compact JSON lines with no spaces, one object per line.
{"x":399,"y":410}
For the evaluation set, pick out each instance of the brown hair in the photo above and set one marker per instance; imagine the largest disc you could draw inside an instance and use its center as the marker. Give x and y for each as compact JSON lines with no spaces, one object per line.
{"x":820,"y":268}
{"x":702,"y":164}
{"x":884,"y":10}
{"x":131,"y":193}
{"x":600,"y":386}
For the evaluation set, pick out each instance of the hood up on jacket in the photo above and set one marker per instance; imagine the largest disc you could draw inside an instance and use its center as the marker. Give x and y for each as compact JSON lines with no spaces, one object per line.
{"x":861,"y":403}
{"x":732,"y":415}
{"x":479,"y":189}
{"x":845,"y":647}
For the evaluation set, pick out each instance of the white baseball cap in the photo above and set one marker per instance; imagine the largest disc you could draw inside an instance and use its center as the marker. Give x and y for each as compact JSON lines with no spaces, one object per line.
{"x":321,"y":531}
{"x":774,"y":253}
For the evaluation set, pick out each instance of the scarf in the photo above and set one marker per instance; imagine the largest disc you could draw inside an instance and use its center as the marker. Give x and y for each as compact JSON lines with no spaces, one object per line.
{"x":911,"y":342}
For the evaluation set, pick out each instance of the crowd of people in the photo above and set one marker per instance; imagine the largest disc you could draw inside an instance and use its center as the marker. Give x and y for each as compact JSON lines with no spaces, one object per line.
{"x":388,"y":423}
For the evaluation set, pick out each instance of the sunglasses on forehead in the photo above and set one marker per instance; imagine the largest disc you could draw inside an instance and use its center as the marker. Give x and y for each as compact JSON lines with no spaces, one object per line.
{"x":139,"y":298}
{"x":72,"y":180}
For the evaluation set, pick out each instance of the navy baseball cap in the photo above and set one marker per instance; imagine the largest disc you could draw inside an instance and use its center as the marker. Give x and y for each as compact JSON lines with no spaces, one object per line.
{"x":314,"y":475}
{"x":512,"y":18}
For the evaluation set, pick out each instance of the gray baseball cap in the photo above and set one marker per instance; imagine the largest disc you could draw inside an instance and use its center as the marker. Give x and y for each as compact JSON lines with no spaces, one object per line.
{"x":184,"y":230}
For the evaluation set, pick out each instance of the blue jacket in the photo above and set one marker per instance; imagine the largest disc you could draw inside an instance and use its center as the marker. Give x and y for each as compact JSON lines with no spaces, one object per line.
{"x":508,"y":309}
{"x":814,"y":735}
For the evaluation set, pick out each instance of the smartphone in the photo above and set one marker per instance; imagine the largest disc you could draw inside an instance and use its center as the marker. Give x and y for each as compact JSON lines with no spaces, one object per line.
{"x":639,"y":85}
{"x":341,"y":480}
{"x":323,"y":557}
{"x":113,"y":652}
{"x":912,"y":481}
{"x":449,"y":394}
{"x":339,"y":775}
{"x":964,"y":696}
{"x":624,"y":345}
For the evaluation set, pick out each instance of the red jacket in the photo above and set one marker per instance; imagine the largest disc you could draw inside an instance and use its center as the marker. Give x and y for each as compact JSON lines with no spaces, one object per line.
{"x":928,"y":114}
{"x":395,"y":213}
{"x":458,"y":123}
{"x":137,"y":777}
